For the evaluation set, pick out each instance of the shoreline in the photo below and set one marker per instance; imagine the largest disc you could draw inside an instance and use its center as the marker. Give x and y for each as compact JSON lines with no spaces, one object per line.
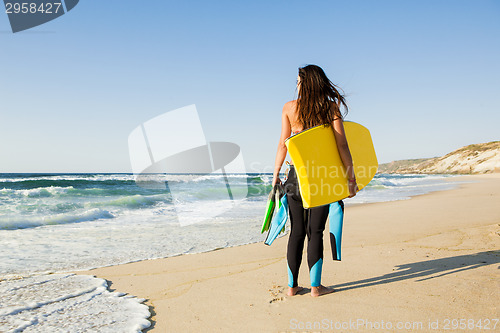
{"x":254,"y":273}
{"x":351,"y":205}
{"x":62,"y":270}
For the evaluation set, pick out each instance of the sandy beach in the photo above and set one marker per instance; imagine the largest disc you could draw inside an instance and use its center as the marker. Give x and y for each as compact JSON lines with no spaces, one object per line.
{"x":430,"y":263}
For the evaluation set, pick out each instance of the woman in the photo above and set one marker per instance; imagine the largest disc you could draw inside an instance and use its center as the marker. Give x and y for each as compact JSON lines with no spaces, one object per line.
{"x":318,"y":103}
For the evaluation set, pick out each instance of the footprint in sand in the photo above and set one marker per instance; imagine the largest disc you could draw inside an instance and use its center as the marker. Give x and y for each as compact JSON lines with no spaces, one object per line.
{"x":276,"y":293}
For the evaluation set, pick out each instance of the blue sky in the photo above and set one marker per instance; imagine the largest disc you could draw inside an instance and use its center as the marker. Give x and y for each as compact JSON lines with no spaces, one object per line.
{"x":423,"y":76}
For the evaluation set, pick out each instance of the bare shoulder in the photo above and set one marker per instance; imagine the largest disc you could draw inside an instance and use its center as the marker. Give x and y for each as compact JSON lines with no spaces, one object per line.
{"x":291,"y":104}
{"x":289,"y":107}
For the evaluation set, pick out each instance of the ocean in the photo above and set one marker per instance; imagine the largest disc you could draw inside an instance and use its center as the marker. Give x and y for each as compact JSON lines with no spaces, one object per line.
{"x":51,"y":224}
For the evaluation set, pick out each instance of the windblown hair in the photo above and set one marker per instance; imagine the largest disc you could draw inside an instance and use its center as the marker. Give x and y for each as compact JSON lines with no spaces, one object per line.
{"x":319,"y":101}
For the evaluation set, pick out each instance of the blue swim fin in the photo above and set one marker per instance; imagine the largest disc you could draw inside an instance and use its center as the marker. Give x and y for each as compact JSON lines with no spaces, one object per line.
{"x":278,"y":222}
{"x":336,"y":222}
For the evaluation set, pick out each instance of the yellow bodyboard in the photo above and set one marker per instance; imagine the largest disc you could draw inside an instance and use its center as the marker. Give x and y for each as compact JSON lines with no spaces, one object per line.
{"x":320,"y":171}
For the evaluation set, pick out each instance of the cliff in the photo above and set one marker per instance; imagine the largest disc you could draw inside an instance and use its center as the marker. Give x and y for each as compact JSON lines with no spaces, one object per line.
{"x":471,"y":159}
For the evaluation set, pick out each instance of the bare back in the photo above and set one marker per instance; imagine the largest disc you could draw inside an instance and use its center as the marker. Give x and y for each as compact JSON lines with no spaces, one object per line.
{"x":293,"y":118}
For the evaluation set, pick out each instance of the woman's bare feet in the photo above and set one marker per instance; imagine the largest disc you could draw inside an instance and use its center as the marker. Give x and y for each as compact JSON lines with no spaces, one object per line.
{"x":321,"y":290}
{"x":293,"y":291}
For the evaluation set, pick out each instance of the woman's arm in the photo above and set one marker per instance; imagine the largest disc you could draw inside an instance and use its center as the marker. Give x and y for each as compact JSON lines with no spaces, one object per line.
{"x":345,"y":154}
{"x":282,"y":150}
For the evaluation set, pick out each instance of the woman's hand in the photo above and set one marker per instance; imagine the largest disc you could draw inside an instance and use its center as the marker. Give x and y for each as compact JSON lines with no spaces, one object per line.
{"x":353,"y":187}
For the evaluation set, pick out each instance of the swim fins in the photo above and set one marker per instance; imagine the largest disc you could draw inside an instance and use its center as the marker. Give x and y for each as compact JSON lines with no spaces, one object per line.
{"x":336,"y":216}
{"x":278,"y":222}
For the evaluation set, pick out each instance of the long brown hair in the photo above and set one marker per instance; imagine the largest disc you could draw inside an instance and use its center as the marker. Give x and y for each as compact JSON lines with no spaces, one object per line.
{"x":319,"y":101}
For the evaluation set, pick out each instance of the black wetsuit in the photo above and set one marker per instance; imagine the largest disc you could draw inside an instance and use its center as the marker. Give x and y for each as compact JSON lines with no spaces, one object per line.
{"x":310,"y":222}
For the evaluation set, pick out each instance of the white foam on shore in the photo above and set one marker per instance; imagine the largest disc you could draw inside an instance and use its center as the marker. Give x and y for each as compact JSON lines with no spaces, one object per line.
{"x":138,"y":236}
{"x":68,"y":303}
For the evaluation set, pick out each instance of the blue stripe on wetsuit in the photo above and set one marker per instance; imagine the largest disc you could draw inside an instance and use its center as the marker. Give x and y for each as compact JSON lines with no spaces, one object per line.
{"x":315,"y":273}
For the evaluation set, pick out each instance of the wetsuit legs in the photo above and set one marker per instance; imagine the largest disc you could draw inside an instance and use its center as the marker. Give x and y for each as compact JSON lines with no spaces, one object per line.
{"x":295,"y":240}
{"x":316,"y":223}
{"x":310,"y":222}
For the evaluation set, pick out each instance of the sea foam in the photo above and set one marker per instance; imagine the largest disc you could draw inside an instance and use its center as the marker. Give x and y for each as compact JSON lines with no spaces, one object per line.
{"x":68,"y":303}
